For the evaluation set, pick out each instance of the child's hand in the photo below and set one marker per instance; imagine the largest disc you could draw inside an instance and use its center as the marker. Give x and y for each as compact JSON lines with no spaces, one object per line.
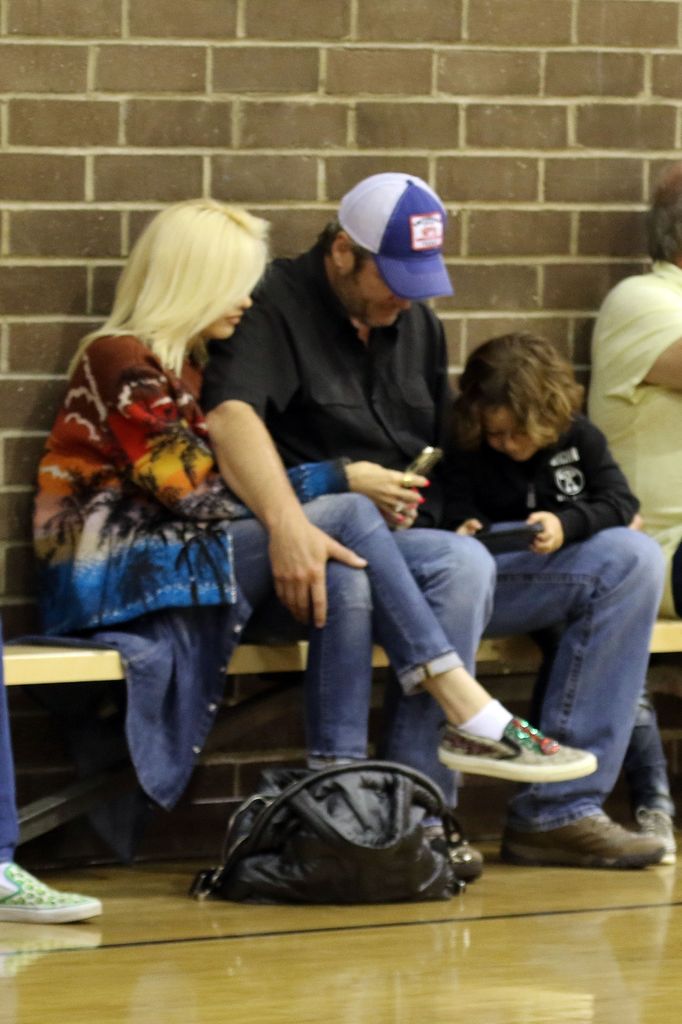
{"x":552,"y":536}
{"x":469,"y":528}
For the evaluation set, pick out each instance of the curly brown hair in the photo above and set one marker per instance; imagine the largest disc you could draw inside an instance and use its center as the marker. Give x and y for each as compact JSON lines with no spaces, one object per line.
{"x":524,"y":373}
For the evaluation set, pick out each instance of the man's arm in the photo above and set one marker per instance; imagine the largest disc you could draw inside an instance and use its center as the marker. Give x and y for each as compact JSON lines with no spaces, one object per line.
{"x":667,"y":369}
{"x":299,"y":551}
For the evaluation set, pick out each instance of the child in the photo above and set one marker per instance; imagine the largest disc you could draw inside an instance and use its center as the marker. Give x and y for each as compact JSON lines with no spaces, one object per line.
{"x":524,"y":452}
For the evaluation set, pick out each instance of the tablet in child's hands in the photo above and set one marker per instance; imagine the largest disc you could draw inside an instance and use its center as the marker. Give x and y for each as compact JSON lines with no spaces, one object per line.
{"x":502,"y":537}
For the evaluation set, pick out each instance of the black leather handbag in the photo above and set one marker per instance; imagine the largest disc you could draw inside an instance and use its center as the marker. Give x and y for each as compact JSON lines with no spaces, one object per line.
{"x":346,"y":834}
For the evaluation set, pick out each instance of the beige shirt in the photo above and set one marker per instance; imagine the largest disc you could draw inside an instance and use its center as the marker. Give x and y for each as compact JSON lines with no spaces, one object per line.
{"x":640,"y":318}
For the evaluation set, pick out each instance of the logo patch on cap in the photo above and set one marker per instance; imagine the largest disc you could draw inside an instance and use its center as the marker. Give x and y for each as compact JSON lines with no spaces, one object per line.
{"x":426,"y":231}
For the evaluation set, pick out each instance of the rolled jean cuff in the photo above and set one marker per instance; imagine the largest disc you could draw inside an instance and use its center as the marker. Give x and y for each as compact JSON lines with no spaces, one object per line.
{"x":412,"y":678}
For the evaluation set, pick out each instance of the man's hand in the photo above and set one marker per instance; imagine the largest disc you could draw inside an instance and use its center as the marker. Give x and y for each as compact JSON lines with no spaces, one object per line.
{"x":299,"y":553}
{"x":392,"y":491}
{"x":552,"y":536}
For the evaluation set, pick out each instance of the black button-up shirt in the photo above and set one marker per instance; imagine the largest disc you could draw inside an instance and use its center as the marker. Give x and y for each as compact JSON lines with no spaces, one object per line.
{"x":297,"y":360}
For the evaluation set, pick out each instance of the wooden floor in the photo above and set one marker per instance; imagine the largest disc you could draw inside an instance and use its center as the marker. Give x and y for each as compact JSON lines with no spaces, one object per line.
{"x":520,"y":946}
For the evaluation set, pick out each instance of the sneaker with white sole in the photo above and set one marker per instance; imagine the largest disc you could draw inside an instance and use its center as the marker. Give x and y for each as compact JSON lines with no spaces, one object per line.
{"x":523,"y":754}
{"x":24,"y":898}
{"x":653,"y":822}
{"x":592,"y":842}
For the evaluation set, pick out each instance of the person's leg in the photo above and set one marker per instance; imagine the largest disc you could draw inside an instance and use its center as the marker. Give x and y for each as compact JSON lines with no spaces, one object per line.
{"x":456,"y":575}
{"x":23,"y":897}
{"x":646,"y":773}
{"x":9,"y":828}
{"x":645,"y":766}
{"x":476,"y":739}
{"x":606,"y":590}
{"x":403,"y":621}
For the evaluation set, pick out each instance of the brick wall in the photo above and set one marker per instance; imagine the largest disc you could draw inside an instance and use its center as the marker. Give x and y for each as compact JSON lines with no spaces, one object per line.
{"x":540,"y":122}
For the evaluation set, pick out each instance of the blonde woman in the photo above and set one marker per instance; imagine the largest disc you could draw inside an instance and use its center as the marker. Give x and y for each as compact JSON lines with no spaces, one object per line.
{"x":141,"y":543}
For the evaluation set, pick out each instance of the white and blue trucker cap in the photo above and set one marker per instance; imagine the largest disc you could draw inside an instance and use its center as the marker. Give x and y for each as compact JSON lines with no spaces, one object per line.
{"x":402,"y":222}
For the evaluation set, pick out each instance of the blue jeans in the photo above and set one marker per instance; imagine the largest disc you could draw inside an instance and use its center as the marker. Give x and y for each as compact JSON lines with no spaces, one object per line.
{"x":456,"y":576}
{"x":383,"y":602}
{"x":606,"y":590}
{"x":9,"y":828}
{"x":645,"y":767}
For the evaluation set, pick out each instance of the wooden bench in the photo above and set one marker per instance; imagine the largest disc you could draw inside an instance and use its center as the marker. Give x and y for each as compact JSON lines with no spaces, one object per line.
{"x":29,"y":665}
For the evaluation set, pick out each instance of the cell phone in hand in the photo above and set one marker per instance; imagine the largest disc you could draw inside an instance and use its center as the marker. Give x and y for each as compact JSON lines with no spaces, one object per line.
{"x":425,"y":461}
{"x":502,"y":537}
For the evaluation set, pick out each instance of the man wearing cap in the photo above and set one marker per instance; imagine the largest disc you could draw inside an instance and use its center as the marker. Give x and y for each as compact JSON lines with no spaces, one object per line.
{"x":338,"y":358}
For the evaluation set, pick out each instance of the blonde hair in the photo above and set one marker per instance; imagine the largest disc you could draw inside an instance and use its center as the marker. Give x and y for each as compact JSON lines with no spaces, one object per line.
{"x":193,"y":261}
{"x":525,"y":374}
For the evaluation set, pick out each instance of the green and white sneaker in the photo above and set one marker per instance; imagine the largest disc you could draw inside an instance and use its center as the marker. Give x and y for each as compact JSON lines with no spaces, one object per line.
{"x":523,"y":754}
{"x":24,"y":898}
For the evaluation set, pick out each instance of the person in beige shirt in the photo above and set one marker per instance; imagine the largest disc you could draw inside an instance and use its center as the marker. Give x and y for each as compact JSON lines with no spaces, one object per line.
{"x":635,"y":397}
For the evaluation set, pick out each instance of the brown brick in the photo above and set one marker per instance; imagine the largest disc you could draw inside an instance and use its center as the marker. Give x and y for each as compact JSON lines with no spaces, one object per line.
{"x":476,"y":178}
{"x":343,"y":172}
{"x":579,"y":286}
{"x":612,"y":233}
{"x":275,"y":69}
{"x":454,"y":331}
{"x":656,"y":169}
{"x":137,"y":221}
{"x":21,"y":456}
{"x":555,"y":329}
{"x":488,"y":73}
{"x":20,"y":620}
{"x":596,"y":74}
{"x":522,"y":23}
{"x":667,"y":74}
{"x":44,"y":347}
{"x":94,"y":233}
{"x":518,"y":232}
{"x":28,"y":403}
{"x":303,"y":20}
{"x":146,"y":68}
{"x":210,"y":19}
{"x":20,"y":576}
{"x":407,"y":125}
{"x":293,"y":231}
{"x":27,"y":289}
{"x":358,"y":71}
{"x":605,"y":125}
{"x":104,"y":280}
{"x":594,"y":180}
{"x":582,"y":340}
{"x":293,"y":124}
{"x":412,"y":21}
{"x":43,"y":68}
{"x":638,"y":23}
{"x":63,"y":18}
{"x":63,"y":122}
{"x":26,"y":176}
{"x":528,"y":127}
{"x":500,"y":287}
{"x":121,"y":178}
{"x":178,"y":123}
{"x":262,"y":179}
{"x":15,"y":506}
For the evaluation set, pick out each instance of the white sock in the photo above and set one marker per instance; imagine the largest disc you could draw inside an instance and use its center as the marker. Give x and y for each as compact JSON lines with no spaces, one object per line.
{"x":490,"y":722}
